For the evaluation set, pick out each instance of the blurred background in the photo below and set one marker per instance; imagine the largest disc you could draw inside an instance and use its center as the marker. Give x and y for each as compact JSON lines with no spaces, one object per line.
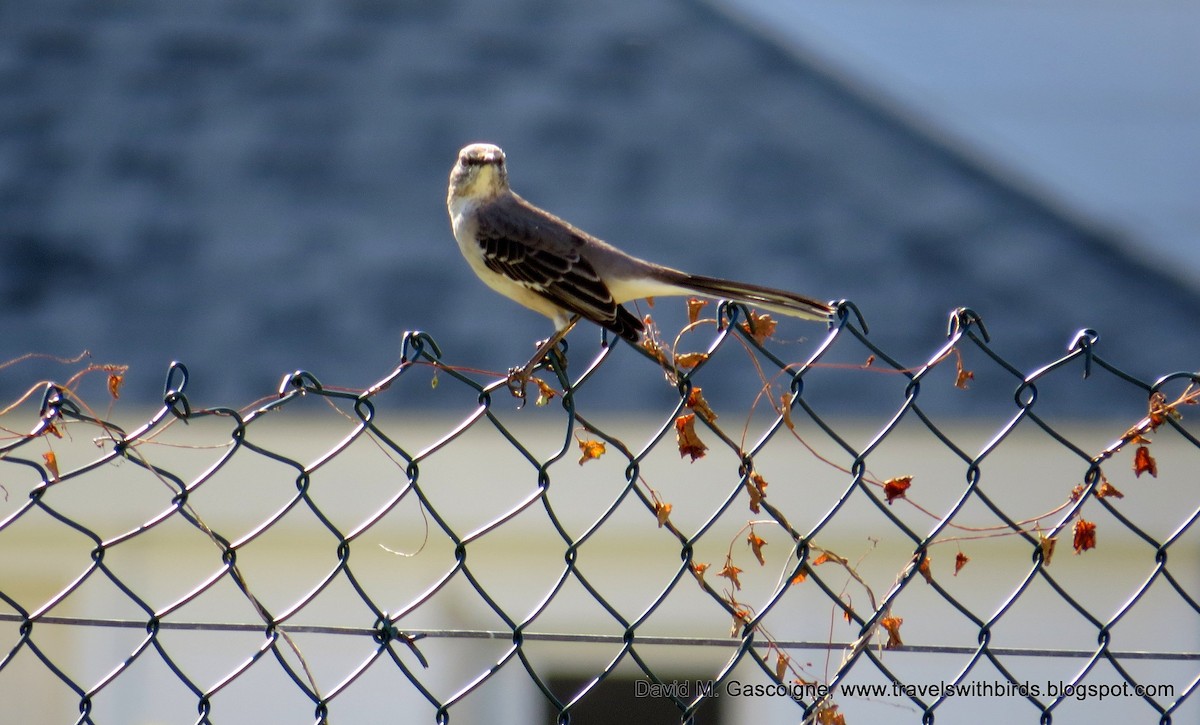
{"x":253,"y":188}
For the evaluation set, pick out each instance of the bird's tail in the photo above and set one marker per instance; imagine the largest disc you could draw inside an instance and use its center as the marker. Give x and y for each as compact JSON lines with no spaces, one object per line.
{"x":765,"y":298}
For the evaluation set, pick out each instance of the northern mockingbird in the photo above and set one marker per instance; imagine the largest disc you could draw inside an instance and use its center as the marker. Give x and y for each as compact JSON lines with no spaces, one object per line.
{"x":551,"y":267}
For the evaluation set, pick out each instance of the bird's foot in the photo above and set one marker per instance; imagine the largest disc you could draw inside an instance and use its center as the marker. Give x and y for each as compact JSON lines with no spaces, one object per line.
{"x":518,"y":380}
{"x":551,"y":352}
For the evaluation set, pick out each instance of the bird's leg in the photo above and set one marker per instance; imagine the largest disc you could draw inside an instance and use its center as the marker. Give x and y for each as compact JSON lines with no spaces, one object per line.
{"x":518,"y":378}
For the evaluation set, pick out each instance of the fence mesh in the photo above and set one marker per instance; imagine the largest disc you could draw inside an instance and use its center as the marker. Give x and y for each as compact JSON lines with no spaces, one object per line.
{"x":766,"y":541}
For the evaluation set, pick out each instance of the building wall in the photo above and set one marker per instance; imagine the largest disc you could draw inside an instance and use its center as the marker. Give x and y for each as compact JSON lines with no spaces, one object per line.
{"x":478,"y":479}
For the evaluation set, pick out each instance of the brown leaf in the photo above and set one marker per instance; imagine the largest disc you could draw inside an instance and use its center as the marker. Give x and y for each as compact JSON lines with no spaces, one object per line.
{"x":1085,"y":536}
{"x":923,"y":568}
{"x":822,"y":559}
{"x":662,"y":512}
{"x":869,"y":362}
{"x":545,"y":392}
{"x":1047,"y":544}
{"x":741,"y":615}
{"x":829,"y":715}
{"x":590,"y":450}
{"x":696,"y":402}
{"x":959,"y":562}
{"x":800,"y":577}
{"x":785,"y":410}
{"x":115,"y":382}
{"x":685,"y":434}
{"x":894,"y":488}
{"x":51,"y":463}
{"x":760,"y":326}
{"x":756,"y":543}
{"x":781,"y":665}
{"x":1143,"y":462}
{"x":731,"y":572}
{"x":689,"y":360}
{"x":962,"y":376}
{"x":892,"y":625}
{"x":698,"y":569}
{"x":651,"y":346}
{"x":1106,"y":489}
{"x":694,"y":306}
{"x":756,"y":485}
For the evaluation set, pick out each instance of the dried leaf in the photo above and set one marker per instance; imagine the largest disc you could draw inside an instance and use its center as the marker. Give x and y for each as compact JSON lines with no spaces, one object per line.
{"x":696,"y":402}
{"x":51,"y":463}
{"x":741,"y":615}
{"x":756,"y":543}
{"x":892,"y":625}
{"x":822,"y":559}
{"x":800,"y":577}
{"x":870,"y":361}
{"x":963,"y":376}
{"x":694,"y":306}
{"x":756,"y":486}
{"x":731,"y":572}
{"x":829,"y":715}
{"x":760,"y":326}
{"x":785,"y":410}
{"x":1085,"y":536}
{"x":1077,"y":491}
{"x":662,"y":512}
{"x":689,"y":360}
{"x":959,"y":562}
{"x":685,"y":434}
{"x":894,"y":488}
{"x":1047,"y":544}
{"x":1106,"y":489}
{"x":115,"y":382}
{"x":545,"y":392}
{"x":698,"y":569}
{"x":590,"y":450}
{"x":651,"y":346}
{"x":781,"y":665}
{"x":1143,"y":462}
{"x":923,"y":569}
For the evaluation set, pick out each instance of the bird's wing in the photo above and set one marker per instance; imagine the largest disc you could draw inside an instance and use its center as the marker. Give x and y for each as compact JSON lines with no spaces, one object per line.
{"x":543,"y":253}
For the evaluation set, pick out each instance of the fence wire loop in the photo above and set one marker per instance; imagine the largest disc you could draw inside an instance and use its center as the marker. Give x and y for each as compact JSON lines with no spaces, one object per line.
{"x":962,"y":320}
{"x":756,"y":575}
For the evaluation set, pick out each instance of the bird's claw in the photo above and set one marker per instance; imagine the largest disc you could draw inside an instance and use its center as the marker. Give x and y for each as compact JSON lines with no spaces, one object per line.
{"x":551,"y":352}
{"x":518,"y":380}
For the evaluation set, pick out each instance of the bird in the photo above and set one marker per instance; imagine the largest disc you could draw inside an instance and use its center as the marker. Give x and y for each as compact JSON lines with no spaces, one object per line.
{"x":554,"y":268}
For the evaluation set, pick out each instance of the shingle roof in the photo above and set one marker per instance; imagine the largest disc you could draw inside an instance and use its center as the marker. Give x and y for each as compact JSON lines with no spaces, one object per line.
{"x":255,"y":188}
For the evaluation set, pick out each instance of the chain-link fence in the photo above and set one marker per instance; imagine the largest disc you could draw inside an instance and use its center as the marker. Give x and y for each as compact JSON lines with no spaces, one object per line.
{"x":328,"y":553}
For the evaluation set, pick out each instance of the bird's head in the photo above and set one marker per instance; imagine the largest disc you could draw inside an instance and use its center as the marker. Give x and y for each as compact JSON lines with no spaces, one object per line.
{"x":479,"y":173}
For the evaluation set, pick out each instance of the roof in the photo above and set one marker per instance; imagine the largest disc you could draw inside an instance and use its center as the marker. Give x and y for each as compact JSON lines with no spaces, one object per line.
{"x":256,"y":189}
